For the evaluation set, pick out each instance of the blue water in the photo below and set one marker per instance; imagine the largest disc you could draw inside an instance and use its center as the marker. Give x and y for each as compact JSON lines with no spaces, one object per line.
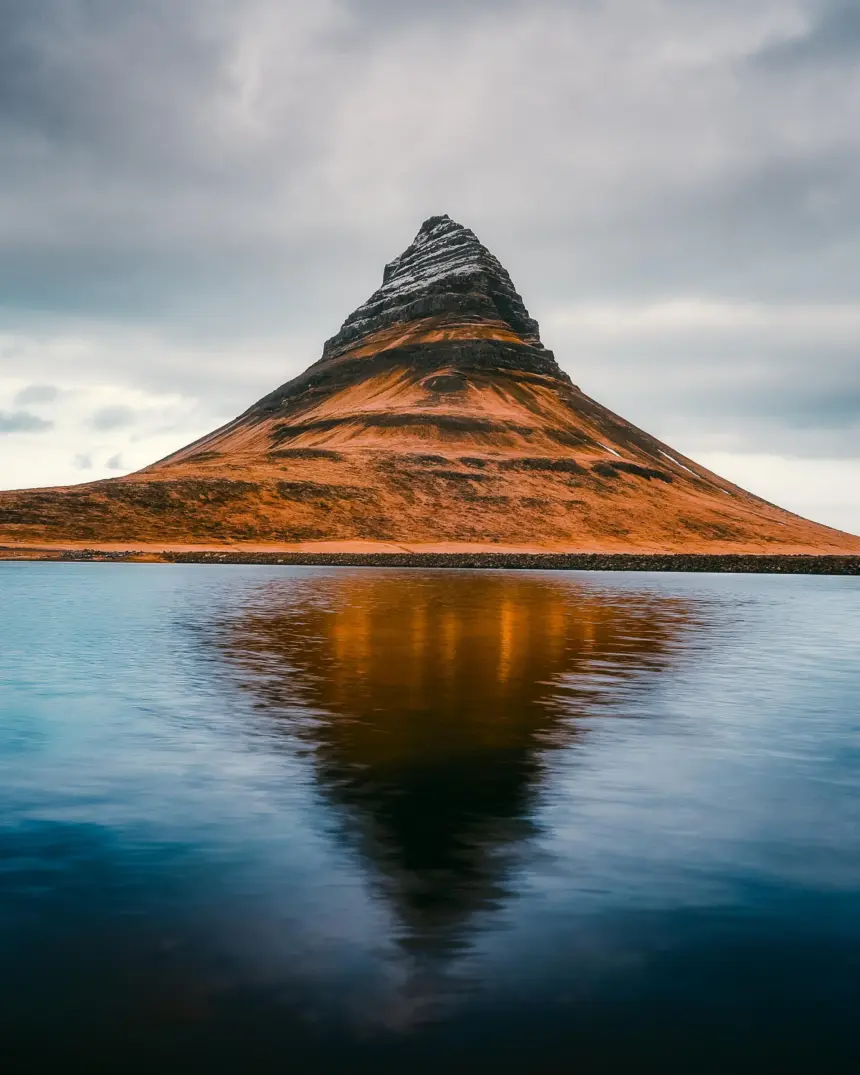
{"x":304,"y":819}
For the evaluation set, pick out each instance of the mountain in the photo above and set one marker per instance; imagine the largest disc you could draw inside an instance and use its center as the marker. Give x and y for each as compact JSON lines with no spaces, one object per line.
{"x":436,"y":417}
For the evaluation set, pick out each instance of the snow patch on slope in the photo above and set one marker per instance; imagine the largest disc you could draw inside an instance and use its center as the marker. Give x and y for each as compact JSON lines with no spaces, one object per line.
{"x":678,"y":463}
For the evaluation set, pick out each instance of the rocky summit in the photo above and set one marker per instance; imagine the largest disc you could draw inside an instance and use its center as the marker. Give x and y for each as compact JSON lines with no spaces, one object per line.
{"x":435,"y":419}
{"x":444,"y":272}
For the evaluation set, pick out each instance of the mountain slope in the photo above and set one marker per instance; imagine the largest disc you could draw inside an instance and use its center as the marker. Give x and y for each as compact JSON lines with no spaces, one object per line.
{"x":435,"y":416}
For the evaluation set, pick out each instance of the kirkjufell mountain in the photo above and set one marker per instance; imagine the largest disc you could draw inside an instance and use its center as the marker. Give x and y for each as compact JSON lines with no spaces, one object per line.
{"x":435,"y":418}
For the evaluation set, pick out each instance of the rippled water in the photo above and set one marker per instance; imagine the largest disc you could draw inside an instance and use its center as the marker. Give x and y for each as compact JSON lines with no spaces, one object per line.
{"x":316,"y":819}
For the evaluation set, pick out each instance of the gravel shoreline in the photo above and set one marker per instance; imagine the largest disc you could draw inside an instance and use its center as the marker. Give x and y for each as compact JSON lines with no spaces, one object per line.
{"x":688,"y":562}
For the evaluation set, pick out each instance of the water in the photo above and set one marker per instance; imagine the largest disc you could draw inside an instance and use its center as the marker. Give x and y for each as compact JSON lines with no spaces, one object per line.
{"x":309,"y":820}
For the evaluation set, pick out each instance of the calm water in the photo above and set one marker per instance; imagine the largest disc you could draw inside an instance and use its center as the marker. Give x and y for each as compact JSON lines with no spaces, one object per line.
{"x":311,"y":819}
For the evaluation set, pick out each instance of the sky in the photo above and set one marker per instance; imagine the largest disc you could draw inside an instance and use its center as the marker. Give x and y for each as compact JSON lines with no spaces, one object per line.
{"x":193,"y":196}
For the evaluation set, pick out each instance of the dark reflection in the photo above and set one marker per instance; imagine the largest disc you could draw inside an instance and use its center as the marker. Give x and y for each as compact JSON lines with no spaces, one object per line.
{"x":432,"y":704}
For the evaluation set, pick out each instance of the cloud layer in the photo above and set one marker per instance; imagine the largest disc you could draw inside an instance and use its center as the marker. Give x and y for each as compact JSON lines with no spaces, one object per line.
{"x":23,"y":422}
{"x":193,"y":197}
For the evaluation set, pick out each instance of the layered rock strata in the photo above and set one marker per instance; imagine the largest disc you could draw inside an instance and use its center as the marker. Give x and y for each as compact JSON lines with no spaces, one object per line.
{"x":446,"y":274}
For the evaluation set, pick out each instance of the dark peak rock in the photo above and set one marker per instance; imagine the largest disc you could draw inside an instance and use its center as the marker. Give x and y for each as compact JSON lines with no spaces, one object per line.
{"x":445,"y":272}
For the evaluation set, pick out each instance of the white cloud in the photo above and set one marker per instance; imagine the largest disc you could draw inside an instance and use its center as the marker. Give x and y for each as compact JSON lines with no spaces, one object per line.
{"x":826,"y":490}
{"x":73,"y":444}
{"x":823,"y":322}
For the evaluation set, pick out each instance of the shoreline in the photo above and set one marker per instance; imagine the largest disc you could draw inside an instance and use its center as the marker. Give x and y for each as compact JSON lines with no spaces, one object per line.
{"x":722,"y":563}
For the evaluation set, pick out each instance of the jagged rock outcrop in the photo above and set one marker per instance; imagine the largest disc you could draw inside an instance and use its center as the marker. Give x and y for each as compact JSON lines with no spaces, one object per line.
{"x":447,"y":273}
{"x":435,"y":418}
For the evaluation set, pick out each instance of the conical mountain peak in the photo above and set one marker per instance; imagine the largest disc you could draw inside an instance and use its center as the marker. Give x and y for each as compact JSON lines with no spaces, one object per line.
{"x":447,"y":274}
{"x":434,"y":420}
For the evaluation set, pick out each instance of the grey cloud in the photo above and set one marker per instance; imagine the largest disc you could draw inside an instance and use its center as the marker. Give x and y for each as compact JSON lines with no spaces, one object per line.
{"x":115,"y":462}
{"x":37,"y":393}
{"x":832,"y":36}
{"x":765,"y":396}
{"x":73,"y":70}
{"x":215,"y":205}
{"x":23,"y":422}
{"x":115,"y":417}
{"x":83,"y":461}
{"x":369,"y":17}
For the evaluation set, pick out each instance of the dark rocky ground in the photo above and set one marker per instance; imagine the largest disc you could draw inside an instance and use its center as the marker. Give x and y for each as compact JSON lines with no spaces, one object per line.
{"x":756,"y":564}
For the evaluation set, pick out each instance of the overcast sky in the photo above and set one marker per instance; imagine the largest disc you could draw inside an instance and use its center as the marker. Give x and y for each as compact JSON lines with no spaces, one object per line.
{"x":195,"y":193}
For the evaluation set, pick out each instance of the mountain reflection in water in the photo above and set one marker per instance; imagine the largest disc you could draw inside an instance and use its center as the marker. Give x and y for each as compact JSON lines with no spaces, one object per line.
{"x":431,"y":702}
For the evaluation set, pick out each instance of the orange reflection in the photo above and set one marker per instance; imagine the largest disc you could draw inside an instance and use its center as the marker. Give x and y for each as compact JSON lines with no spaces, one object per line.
{"x":435,"y":698}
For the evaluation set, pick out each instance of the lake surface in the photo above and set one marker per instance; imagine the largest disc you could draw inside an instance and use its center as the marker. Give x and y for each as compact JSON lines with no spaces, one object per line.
{"x":304,"y":819}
